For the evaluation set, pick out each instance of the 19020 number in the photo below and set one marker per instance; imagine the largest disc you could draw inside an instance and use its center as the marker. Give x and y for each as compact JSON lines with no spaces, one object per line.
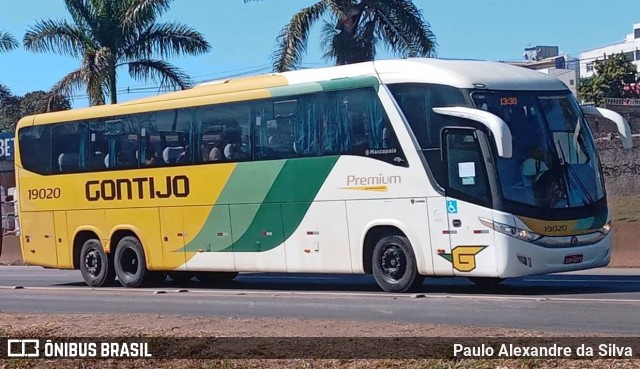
{"x":555,"y":228}
{"x":44,"y":193}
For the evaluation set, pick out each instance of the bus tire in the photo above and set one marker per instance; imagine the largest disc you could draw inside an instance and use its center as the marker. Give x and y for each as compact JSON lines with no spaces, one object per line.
{"x":486,"y":281}
{"x":394,"y":265}
{"x":95,"y":265}
{"x":131,"y":264}
{"x":216,"y":277}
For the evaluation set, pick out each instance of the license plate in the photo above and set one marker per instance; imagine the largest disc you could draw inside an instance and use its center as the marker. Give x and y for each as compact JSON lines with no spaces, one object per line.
{"x":573,"y":259}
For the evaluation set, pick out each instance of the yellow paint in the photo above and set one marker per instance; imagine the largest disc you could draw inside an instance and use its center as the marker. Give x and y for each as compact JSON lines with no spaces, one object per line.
{"x":104,"y":218}
{"x":37,"y":238}
{"x":206,"y":183}
{"x":88,"y":220}
{"x":554,"y":228}
{"x":65,"y":255}
{"x":367,"y":188}
{"x":204,"y":95}
{"x":463,"y":258}
{"x":172,"y":236}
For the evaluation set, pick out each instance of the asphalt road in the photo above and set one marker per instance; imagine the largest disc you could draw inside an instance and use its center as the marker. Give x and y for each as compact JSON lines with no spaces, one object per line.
{"x":598,"y":301}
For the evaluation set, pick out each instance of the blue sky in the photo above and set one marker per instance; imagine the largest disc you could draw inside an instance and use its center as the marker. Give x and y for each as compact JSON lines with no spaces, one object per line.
{"x":243,"y":35}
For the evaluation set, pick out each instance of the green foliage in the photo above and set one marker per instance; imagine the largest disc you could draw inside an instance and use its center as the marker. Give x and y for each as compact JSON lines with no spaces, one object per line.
{"x":355,"y":30}
{"x":608,"y":81}
{"x":13,"y":108}
{"x":7,"y":42}
{"x":108,"y":34}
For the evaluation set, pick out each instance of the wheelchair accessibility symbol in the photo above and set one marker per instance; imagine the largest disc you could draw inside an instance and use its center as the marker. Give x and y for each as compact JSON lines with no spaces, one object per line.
{"x":452,"y":207}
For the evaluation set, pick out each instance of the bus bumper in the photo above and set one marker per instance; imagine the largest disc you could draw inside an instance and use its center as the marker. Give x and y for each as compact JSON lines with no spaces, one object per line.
{"x":519,"y":258}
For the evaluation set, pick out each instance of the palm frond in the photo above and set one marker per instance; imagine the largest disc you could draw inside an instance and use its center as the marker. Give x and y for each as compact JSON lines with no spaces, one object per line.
{"x":400,"y":23}
{"x":141,"y":13}
{"x":166,"y":40}
{"x":56,"y":36}
{"x":83,"y":13}
{"x":329,"y":33}
{"x":169,"y":76}
{"x":92,"y":76}
{"x":69,"y":84}
{"x":292,"y":40}
{"x":7,"y":42}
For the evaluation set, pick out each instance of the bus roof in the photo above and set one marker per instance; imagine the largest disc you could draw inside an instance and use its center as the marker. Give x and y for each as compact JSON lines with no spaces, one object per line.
{"x":457,"y":73}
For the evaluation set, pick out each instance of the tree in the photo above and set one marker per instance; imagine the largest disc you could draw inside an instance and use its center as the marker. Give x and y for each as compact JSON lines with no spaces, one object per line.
{"x":609,"y":81}
{"x":13,"y":108}
{"x":109,"y":34}
{"x":355,"y":30}
{"x":7,"y":42}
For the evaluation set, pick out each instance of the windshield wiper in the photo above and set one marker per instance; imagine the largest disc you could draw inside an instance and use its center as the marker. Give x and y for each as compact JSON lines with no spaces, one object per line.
{"x":571,"y":174}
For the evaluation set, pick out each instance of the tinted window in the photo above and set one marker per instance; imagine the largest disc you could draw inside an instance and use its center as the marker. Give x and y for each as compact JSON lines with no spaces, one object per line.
{"x":165,"y":137}
{"x":225,"y":132}
{"x":98,"y":145}
{"x":417,"y":102}
{"x":351,"y":122}
{"x":467,"y":175}
{"x":35,"y":148}
{"x":70,"y":147}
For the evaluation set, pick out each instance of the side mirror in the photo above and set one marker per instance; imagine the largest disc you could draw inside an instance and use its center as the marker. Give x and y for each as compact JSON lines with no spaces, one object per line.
{"x":496,"y":125}
{"x":623,"y":126}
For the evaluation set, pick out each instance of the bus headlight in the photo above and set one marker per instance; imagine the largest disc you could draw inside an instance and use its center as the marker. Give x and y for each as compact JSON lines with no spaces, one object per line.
{"x":512,"y":231}
{"x":605,"y":229}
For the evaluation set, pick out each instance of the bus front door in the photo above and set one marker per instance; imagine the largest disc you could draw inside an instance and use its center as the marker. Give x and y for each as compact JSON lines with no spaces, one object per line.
{"x":468,"y":200}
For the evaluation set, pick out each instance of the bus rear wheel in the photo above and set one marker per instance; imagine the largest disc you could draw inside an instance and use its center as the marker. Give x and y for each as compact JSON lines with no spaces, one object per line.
{"x":394,"y":265}
{"x":131,"y":264}
{"x":96,"y":266}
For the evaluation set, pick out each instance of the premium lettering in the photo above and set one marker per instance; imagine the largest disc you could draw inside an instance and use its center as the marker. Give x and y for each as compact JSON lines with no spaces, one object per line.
{"x":137,"y":188}
{"x":373,"y":181}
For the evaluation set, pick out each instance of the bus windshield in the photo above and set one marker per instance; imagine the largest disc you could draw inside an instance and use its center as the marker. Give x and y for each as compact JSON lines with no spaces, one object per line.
{"x":554,"y":162}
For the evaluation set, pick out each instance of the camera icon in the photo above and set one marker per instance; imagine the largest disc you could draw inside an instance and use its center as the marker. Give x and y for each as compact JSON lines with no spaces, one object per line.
{"x":23,"y":348}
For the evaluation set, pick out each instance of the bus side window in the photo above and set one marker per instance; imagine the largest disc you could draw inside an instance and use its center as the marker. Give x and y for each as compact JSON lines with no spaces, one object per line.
{"x":70,"y":147}
{"x":38,"y":139}
{"x":98,"y":146}
{"x":464,"y":163}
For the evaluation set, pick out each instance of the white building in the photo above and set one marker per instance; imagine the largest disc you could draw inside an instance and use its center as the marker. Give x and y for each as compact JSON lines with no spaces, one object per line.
{"x":547,"y":60}
{"x":630,"y":47}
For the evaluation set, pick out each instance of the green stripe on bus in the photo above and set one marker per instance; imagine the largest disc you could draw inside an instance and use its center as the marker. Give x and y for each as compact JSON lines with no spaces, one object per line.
{"x":249,"y":184}
{"x":350,"y":83}
{"x":301,"y":89}
{"x":299,"y":182}
{"x":338,"y":84}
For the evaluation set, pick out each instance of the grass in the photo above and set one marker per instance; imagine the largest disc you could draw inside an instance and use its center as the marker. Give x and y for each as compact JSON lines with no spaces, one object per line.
{"x":625,"y":208}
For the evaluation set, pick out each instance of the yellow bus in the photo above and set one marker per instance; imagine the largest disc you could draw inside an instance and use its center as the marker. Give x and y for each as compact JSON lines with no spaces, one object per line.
{"x":400,"y":168}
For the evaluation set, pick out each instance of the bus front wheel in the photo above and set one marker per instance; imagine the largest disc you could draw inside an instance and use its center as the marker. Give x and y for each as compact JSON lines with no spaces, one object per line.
{"x":96,"y":266}
{"x":394,"y":265}
{"x":131,"y":264}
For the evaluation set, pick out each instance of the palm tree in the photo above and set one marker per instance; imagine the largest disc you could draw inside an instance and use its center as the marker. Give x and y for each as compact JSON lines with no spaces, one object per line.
{"x":356,"y":28}
{"x":108,"y":34}
{"x":7,"y":42}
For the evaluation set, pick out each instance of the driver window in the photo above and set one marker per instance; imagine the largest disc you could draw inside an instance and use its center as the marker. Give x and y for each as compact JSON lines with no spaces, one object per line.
{"x":466,"y":172}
